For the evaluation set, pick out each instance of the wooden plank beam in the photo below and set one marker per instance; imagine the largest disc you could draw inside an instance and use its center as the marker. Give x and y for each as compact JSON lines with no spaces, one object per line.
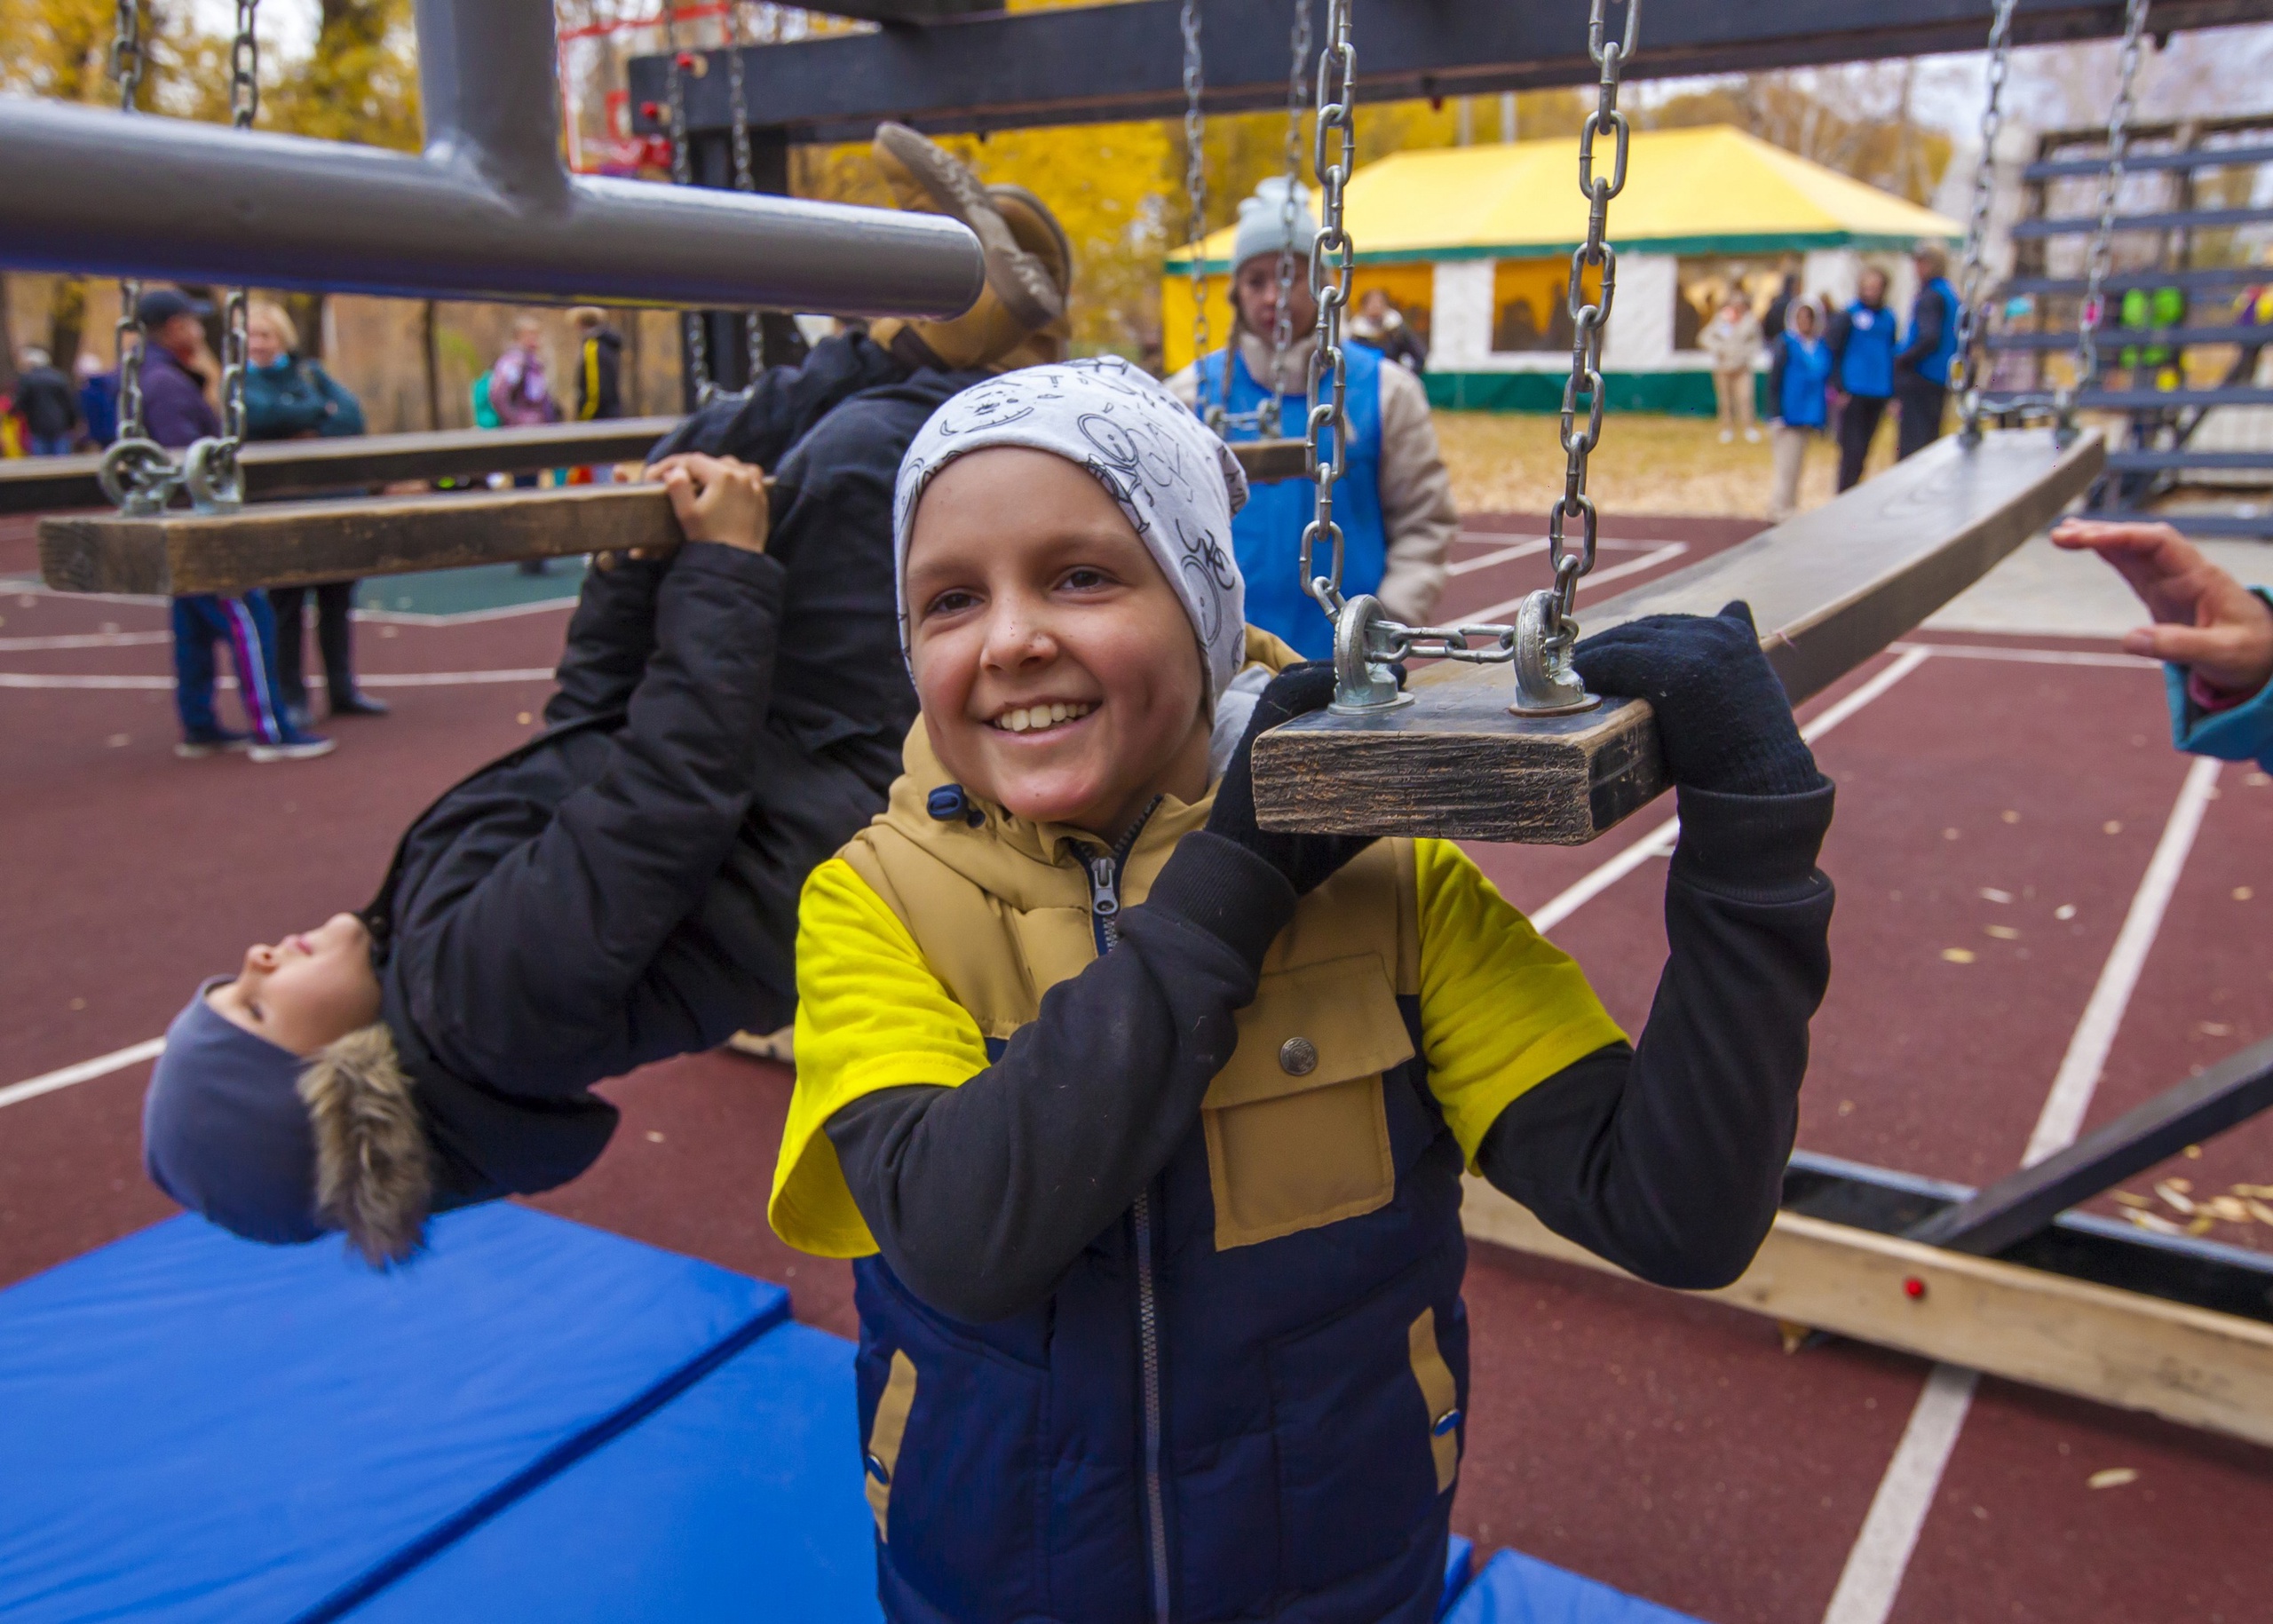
{"x":299,"y":544}
{"x":2186,"y":1364}
{"x":307,"y":467}
{"x":1829,"y":590}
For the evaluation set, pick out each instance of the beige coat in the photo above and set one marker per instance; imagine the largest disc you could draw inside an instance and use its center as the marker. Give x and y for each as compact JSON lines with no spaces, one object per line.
{"x":1418,"y":517}
{"x":1734,"y":345}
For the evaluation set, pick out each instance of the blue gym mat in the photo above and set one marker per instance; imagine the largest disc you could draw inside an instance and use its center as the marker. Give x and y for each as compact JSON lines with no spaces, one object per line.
{"x":1513,"y":1588}
{"x":741,"y":1499}
{"x":201,"y":1427}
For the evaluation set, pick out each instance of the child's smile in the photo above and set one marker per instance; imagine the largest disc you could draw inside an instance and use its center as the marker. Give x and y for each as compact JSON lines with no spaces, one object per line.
{"x":1041,"y":717}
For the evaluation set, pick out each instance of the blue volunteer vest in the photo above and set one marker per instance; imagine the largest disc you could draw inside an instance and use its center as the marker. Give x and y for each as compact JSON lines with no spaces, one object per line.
{"x":1807,"y":368}
{"x":1866,"y":365}
{"x":1935,"y":366}
{"x":1267,"y":534}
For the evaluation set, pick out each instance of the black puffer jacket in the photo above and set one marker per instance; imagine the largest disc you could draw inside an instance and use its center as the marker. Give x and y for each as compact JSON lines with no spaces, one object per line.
{"x":623,"y":888}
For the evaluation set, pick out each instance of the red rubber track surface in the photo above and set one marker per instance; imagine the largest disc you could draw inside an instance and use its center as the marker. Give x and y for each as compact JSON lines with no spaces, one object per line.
{"x":1665,"y":1445}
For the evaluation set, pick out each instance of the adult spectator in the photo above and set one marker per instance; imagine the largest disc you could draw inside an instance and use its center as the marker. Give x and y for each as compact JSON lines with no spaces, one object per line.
{"x":98,"y":398}
{"x":1862,"y":341}
{"x":176,"y":413}
{"x":1772,"y":319}
{"x":1394,"y":505}
{"x":2214,"y":635}
{"x":1798,"y":377}
{"x":45,"y":402}
{"x":289,"y":397}
{"x":600,"y":365}
{"x":1921,"y":367}
{"x":1731,"y":342}
{"x":1380,"y":323}
{"x":521,"y":397}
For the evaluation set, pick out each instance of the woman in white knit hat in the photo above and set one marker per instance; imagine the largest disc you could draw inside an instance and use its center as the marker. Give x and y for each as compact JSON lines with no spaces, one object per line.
{"x":1394,"y":505}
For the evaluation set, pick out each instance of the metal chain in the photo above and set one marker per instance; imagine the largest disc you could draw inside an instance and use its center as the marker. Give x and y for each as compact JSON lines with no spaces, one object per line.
{"x":2119,"y":141}
{"x":1589,"y":319}
{"x":1282,"y":329}
{"x":1966,"y":380}
{"x":1333,"y":150}
{"x":1195,"y":203}
{"x":214,"y":478}
{"x":692,"y":324}
{"x":137,"y":474}
{"x":745,"y":177}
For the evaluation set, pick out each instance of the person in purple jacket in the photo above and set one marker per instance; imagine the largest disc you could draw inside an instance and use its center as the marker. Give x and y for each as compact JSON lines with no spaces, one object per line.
{"x":176,"y":414}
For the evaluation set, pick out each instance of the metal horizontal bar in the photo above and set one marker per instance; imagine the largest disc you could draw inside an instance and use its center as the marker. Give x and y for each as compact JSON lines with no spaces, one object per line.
{"x":308,"y":467}
{"x":2192,"y":281}
{"x":2018,"y":1205}
{"x":2146,"y":338}
{"x":2246,"y":527}
{"x":1829,"y":590}
{"x":488,"y":211}
{"x":2201,"y":158}
{"x":2172,"y":399}
{"x":2184,"y":219}
{"x":2159,"y":462}
{"x":1125,"y":61}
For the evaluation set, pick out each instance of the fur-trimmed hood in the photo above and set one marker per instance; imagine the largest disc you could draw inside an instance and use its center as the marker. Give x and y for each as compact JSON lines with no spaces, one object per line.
{"x":374,"y":1174}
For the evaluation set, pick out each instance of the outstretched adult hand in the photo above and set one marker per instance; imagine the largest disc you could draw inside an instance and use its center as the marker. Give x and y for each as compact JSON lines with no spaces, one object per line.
{"x":1306,"y":860}
{"x":1723,"y":720}
{"x":2205,"y":619}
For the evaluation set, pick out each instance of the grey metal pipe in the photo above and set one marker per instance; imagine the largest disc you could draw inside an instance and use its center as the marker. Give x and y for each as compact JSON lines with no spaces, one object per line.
{"x":487,"y":212}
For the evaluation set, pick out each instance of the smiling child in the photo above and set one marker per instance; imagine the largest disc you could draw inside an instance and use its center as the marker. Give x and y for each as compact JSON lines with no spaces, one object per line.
{"x":1146,"y":1126}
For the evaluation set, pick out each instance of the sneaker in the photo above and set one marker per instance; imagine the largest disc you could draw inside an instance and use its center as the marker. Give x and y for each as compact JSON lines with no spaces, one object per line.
{"x":358,"y":703}
{"x":1728,"y":436}
{"x":305,"y":747}
{"x":196,"y":746}
{"x":298,"y":716}
{"x":1752,"y":435}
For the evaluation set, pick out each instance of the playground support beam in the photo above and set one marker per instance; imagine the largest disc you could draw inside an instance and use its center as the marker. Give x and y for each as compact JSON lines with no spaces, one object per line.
{"x":1090,"y":64}
{"x":488,"y":211}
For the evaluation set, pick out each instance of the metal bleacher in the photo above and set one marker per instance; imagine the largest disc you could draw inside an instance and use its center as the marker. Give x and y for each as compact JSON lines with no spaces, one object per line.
{"x":2195,"y":442}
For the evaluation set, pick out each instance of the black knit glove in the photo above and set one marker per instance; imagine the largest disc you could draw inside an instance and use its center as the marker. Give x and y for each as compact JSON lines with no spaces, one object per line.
{"x":1307,"y":861}
{"x":1722,"y":717}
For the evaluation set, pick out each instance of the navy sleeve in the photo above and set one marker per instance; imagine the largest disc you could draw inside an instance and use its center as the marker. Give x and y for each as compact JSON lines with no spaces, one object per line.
{"x":1668,"y":1159}
{"x":610,"y":638}
{"x":762,"y":423}
{"x":981,"y":1197}
{"x":1926,"y":318}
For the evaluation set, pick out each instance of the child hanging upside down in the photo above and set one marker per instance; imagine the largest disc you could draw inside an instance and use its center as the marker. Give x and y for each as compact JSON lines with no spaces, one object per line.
{"x":1145,"y":1126}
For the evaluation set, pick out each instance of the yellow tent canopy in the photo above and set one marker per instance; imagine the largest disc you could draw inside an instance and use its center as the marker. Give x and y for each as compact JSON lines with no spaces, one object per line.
{"x":1712,"y":190}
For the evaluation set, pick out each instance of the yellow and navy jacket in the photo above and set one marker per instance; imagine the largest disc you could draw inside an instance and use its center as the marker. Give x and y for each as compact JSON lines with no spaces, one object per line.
{"x":1250,"y":1388}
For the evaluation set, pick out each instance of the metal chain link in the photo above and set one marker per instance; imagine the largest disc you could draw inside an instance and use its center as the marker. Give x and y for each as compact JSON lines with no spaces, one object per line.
{"x":1965,"y":379}
{"x":692,"y":322}
{"x":1334,"y":148}
{"x":2118,"y":140}
{"x":1282,"y":327}
{"x":137,"y":474}
{"x":745,"y":176}
{"x":211,"y":467}
{"x":1195,"y":202}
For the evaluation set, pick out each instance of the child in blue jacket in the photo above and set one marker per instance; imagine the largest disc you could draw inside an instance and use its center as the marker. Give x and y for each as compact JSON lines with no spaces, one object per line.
{"x":1799,"y":375}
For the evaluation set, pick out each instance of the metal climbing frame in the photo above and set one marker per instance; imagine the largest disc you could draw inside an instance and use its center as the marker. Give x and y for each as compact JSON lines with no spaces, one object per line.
{"x":2180,"y":434}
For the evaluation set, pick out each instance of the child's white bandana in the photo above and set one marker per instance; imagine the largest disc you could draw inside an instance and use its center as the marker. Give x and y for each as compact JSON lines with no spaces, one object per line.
{"x":1176,"y":482}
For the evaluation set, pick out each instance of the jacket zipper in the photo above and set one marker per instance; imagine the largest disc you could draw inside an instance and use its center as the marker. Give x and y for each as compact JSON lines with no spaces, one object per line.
{"x":1104,"y":919}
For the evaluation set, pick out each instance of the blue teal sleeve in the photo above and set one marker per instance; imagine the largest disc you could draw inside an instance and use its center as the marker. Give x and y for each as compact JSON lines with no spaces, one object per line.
{"x":2244,"y":733}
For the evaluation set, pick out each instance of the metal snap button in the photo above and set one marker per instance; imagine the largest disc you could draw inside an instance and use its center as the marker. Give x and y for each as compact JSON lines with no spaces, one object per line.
{"x":1444,"y":1423}
{"x":877,"y":1470}
{"x":1298,"y":1056}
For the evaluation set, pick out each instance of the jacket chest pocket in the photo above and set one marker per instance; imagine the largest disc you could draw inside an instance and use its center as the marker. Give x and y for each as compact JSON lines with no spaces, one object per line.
{"x":1296,"y":1126}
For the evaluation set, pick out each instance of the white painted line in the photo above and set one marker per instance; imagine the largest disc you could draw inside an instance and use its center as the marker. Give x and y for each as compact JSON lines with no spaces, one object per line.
{"x":1873,"y":1576}
{"x":1504,"y":555}
{"x":1660,"y":841}
{"x":2088,"y":1049}
{"x":84,"y":639}
{"x":2035,"y":656}
{"x":102,"y":1066}
{"x":400,"y":679}
{"x":1649,"y":560}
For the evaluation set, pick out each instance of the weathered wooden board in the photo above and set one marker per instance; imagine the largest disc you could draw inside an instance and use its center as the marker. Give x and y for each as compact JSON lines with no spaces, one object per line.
{"x":281,"y":468}
{"x":2135,"y":1352}
{"x":1266,"y":460}
{"x":1828,"y":591}
{"x":297,"y":543}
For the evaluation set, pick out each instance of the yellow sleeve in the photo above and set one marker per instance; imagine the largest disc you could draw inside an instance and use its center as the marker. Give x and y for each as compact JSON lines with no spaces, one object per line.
{"x":871,"y":1016}
{"x":1502,"y":1008}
